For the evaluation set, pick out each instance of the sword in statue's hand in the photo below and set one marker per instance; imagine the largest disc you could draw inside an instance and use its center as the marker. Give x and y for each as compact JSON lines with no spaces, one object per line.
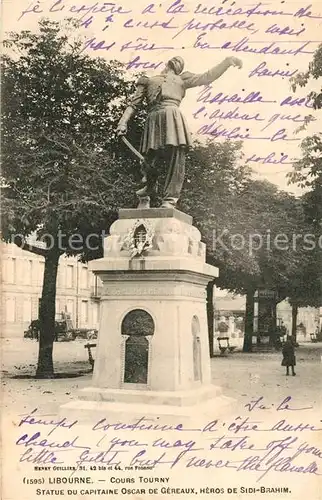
{"x":138,"y":155}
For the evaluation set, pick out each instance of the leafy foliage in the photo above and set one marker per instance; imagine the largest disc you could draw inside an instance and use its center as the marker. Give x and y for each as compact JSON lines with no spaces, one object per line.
{"x":240,"y":218}
{"x":306,"y":288}
{"x":307,"y":171}
{"x":63,"y":174}
{"x":314,"y":72}
{"x":60,"y":162}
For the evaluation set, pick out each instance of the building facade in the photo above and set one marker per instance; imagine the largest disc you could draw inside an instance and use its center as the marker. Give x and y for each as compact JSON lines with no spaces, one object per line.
{"x":78,"y":290}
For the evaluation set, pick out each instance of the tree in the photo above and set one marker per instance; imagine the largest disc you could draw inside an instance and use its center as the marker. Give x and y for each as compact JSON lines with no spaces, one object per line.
{"x":62,"y":176}
{"x":215,"y":176}
{"x":239,"y":219}
{"x":275,"y":217}
{"x":306,"y":289}
{"x":307,"y":172}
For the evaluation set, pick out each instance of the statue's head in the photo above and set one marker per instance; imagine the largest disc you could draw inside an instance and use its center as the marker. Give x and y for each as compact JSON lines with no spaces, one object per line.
{"x":176,"y":64}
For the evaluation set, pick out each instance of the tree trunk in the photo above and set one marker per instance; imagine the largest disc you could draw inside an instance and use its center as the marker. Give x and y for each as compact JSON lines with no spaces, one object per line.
{"x":210,"y":316}
{"x":249,"y":321}
{"x":45,"y":368}
{"x":294,"y":321}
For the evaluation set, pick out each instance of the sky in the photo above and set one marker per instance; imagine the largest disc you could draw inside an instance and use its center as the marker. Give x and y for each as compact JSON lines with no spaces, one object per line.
{"x":274,"y":40}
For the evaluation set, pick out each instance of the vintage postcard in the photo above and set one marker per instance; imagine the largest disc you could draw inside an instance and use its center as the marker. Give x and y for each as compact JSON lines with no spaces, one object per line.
{"x":161,"y":248}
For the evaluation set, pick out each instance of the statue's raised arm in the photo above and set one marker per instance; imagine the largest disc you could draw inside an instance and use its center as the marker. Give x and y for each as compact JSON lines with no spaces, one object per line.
{"x":197,"y":80}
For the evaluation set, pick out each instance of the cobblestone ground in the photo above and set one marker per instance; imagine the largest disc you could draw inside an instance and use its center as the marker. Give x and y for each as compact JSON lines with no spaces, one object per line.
{"x":241,"y":376}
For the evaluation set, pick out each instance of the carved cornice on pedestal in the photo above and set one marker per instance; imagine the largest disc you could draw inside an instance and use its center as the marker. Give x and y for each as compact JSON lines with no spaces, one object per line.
{"x":171,"y":235}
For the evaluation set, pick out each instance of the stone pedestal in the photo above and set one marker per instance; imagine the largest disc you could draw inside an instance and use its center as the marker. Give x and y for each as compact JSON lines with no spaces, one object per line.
{"x":152,"y":348}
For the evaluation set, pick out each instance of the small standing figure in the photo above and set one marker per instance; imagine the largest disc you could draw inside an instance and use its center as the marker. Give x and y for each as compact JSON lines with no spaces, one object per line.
{"x":166,"y":135}
{"x":288,"y":352}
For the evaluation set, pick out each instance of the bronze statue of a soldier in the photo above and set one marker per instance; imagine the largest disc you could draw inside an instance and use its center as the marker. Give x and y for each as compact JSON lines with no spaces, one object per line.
{"x":166,"y":135}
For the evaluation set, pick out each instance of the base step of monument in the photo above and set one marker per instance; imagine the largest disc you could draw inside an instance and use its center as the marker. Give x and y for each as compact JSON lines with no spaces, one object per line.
{"x":91,"y":411}
{"x":173,"y":398}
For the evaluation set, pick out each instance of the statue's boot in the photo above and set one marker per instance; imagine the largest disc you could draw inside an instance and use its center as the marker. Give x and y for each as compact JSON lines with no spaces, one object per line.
{"x":169,"y":203}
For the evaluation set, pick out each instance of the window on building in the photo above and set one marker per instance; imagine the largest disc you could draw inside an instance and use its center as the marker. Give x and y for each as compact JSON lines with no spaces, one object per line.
{"x":70,"y":276}
{"x":84,"y":277}
{"x":26,"y":271}
{"x":96,"y":314}
{"x":70,"y":308}
{"x":10,"y":270}
{"x":84,"y":312}
{"x":26,"y":311}
{"x":60,"y":276}
{"x":10,"y":309}
{"x":34,"y":308}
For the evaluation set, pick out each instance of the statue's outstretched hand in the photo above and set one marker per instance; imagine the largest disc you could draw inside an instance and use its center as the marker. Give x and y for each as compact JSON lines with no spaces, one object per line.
{"x":234,"y":61}
{"x":121,"y":129}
